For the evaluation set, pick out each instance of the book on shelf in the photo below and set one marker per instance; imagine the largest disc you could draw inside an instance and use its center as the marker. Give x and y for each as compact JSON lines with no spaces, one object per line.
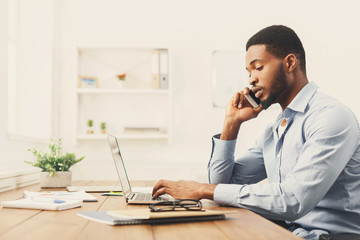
{"x":145,"y":216}
{"x":164,"y":69}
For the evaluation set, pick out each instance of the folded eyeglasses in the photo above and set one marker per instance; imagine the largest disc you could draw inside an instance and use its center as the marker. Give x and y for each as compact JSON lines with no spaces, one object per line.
{"x":187,"y":204}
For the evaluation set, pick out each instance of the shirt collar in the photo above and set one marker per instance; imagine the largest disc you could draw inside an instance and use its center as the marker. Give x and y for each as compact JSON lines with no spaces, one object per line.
{"x":301,"y":100}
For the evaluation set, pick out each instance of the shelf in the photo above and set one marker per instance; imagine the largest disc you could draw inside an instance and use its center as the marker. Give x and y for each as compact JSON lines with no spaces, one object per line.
{"x":122,"y":91}
{"x":125,"y":136}
{"x":143,"y":99}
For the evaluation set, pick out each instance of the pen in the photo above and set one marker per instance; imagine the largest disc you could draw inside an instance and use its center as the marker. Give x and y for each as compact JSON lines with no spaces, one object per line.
{"x":48,"y":200}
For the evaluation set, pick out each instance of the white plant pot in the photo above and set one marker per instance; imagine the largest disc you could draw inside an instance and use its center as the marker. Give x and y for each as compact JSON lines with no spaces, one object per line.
{"x":58,"y":180}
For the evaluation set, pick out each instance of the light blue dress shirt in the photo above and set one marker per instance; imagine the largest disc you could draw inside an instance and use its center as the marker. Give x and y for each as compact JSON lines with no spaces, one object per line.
{"x":313,"y":168}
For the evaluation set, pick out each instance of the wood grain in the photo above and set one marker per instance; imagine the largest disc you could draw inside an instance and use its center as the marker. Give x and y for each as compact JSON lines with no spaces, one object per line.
{"x":27,"y":224}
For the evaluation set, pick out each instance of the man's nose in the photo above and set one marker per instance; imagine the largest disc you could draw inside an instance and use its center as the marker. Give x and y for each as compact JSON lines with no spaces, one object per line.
{"x":253,"y":80}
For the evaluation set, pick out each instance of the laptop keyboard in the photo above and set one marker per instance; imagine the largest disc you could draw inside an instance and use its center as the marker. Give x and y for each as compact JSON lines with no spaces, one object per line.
{"x":148,"y":197}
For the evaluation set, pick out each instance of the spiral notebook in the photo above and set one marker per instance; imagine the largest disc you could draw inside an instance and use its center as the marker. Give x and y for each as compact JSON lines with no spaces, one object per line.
{"x":142,"y":216}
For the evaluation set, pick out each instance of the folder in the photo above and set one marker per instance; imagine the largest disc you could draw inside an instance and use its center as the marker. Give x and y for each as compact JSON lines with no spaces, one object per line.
{"x":164,"y":69}
{"x":155,"y":69}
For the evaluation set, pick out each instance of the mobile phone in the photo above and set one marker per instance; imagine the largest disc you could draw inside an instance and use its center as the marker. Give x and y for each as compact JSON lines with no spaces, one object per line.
{"x":254,"y":101}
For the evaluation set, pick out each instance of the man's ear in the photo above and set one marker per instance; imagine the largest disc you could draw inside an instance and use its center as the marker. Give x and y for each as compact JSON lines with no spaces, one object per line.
{"x":290,"y":62}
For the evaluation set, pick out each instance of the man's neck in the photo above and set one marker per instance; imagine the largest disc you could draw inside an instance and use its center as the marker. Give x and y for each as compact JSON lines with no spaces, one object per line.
{"x":293,"y":90}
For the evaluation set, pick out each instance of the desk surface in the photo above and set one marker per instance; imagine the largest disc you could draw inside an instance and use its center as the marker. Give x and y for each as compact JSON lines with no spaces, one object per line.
{"x":36,"y":224}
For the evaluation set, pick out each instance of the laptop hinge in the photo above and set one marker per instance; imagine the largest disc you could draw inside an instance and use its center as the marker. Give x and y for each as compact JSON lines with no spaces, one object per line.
{"x":131,"y":195}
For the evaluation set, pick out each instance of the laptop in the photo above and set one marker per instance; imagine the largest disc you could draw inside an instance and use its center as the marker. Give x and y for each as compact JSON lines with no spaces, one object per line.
{"x":130,"y":196}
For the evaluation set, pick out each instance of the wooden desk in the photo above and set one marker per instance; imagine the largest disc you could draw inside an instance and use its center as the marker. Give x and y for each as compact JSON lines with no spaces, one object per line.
{"x":66,"y":225}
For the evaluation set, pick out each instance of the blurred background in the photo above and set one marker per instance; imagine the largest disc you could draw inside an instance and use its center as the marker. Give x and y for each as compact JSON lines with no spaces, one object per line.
{"x":47,"y":47}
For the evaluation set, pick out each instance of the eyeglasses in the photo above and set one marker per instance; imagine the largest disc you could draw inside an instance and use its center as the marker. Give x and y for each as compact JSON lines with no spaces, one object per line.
{"x":187,"y":204}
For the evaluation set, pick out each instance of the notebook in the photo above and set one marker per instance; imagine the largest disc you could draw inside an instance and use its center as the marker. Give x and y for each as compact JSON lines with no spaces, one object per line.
{"x":144,"y":216}
{"x":130,"y":196}
{"x":42,"y":204}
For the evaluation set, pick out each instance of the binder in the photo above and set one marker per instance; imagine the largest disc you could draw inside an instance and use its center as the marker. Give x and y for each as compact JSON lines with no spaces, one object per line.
{"x":164,"y":69}
{"x":155,"y":69}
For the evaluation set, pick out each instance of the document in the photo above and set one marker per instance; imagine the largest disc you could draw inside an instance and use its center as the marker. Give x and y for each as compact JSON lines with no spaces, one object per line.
{"x":64,"y":195}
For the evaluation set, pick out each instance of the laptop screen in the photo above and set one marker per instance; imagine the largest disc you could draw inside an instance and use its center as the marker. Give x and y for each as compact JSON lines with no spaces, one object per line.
{"x":119,"y":164}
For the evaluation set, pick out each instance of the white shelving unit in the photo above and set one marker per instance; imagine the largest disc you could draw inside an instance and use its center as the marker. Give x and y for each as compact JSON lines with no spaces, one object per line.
{"x":99,"y":91}
{"x":134,"y":110}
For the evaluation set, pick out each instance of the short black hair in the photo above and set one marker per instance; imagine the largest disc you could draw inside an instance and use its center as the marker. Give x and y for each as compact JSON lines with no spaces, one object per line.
{"x":280,"y":41}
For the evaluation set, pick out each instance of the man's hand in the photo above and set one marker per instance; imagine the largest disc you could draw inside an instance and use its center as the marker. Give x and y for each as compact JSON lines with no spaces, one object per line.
{"x":237,"y":111}
{"x":184,"y":189}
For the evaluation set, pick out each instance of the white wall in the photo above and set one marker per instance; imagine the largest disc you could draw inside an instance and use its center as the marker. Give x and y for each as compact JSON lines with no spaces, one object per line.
{"x":192,"y":30}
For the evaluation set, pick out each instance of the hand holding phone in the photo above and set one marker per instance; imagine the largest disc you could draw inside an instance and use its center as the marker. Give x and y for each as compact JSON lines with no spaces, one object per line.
{"x":254,"y":101}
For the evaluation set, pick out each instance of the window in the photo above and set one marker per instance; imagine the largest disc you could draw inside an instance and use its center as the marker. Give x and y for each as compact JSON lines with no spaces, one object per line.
{"x":30,"y":69}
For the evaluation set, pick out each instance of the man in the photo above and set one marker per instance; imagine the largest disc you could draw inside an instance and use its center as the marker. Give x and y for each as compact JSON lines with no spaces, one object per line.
{"x":310,"y":154}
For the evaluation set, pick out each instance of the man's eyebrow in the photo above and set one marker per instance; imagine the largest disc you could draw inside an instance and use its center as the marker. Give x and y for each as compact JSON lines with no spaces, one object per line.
{"x":253,"y":61}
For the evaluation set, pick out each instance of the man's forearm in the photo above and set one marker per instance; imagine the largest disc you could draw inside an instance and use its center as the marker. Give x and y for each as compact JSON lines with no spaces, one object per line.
{"x":230,"y":130}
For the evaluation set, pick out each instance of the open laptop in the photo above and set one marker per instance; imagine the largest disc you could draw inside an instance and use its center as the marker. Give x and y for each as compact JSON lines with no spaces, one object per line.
{"x":131,"y":197}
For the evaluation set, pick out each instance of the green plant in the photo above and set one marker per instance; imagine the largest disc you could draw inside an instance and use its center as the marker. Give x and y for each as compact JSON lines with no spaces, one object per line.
{"x":54,"y":160}
{"x":103,"y":125}
{"x":90,"y":123}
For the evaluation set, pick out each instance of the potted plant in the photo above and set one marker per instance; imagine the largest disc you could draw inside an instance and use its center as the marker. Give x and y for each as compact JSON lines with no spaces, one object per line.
{"x":121,"y":79}
{"x":103,"y":127}
{"x":90,"y":127}
{"x":55,"y":165}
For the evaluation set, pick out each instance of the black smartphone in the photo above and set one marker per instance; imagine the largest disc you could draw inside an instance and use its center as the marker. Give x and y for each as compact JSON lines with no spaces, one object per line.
{"x":254,"y":101}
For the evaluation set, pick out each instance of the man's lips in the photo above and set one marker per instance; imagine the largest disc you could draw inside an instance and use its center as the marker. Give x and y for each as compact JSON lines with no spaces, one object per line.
{"x":258,"y":91}
{"x":258,"y":94}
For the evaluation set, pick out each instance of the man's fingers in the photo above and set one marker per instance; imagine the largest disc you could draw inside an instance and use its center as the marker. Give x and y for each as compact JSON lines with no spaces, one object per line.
{"x":159,"y":192}
{"x":160,"y":184}
{"x":241,"y":99}
{"x":259,"y":109}
{"x":236,"y":99}
{"x":246,"y":90}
